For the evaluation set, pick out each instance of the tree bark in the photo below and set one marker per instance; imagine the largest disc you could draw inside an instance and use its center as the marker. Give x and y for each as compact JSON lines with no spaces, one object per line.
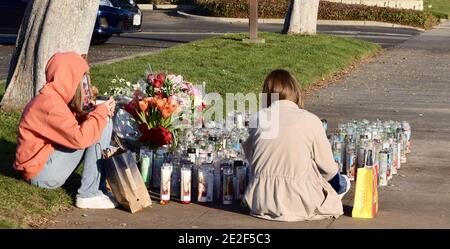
{"x":48,"y":27}
{"x":301,"y":17}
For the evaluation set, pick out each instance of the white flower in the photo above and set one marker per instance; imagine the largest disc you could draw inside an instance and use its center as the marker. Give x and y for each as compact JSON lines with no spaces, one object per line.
{"x":137,"y":86}
{"x":170,"y":77}
{"x":114,"y":81}
{"x":178,"y":80}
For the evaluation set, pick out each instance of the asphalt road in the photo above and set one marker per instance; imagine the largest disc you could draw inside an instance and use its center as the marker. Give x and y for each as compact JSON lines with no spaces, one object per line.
{"x":163,"y":29}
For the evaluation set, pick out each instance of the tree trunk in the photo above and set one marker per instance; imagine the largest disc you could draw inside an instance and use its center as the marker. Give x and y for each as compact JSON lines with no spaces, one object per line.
{"x":301,"y":17}
{"x":48,"y":26}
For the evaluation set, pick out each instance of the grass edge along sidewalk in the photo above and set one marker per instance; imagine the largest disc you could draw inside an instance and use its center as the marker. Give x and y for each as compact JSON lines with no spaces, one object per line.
{"x":225,"y":63}
{"x":439,"y":8}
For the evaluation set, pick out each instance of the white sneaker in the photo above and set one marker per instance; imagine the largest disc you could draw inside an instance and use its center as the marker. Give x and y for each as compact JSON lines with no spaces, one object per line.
{"x":112,"y":198}
{"x":348,"y":186}
{"x":97,"y":202}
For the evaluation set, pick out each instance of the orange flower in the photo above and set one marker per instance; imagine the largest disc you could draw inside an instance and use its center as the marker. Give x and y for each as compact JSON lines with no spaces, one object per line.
{"x":167,"y":106}
{"x":151,"y":100}
{"x":160,"y":103}
{"x":165,"y":113}
{"x":173,"y":105}
{"x":143,"y":105}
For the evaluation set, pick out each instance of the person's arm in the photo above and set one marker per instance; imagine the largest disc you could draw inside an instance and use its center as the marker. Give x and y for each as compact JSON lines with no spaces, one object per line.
{"x":63,"y":127}
{"x":322,"y":153}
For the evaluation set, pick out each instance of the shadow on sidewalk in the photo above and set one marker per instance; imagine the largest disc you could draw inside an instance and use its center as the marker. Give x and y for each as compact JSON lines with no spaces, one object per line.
{"x":236,"y":207}
{"x":348,"y":210}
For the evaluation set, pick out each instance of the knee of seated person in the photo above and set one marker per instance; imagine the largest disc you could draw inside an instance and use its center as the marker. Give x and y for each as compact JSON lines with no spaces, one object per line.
{"x":109,"y":126}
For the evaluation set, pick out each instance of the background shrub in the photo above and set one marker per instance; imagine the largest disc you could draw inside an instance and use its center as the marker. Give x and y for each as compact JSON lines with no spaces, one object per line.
{"x":165,"y":1}
{"x":327,"y":11}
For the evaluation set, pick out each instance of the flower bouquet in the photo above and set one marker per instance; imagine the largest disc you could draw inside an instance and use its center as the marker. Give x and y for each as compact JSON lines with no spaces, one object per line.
{"x":162,"y":105}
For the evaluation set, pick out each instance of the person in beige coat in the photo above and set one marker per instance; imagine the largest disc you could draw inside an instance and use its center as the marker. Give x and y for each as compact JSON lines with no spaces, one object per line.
{"x":293,"y":174}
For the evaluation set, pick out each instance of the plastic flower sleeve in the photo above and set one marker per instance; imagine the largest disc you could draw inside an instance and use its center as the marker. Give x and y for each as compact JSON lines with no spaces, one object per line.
{"x":125,"y":126}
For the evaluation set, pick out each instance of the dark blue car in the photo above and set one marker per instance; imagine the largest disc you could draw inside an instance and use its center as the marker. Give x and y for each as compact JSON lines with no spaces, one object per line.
{"x":114,"y":17}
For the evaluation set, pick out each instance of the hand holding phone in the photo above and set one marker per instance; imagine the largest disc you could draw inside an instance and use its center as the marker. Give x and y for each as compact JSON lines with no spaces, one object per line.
{"x":101,"y":99}
{"x":110,"y":105}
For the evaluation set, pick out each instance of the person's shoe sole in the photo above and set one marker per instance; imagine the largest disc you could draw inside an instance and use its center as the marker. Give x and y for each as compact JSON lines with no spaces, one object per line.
{"x":84,"y":203}
{"x":113,"y":199}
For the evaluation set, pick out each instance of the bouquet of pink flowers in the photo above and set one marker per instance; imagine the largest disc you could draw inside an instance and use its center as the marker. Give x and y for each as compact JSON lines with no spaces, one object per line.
{"x":163,"y":107}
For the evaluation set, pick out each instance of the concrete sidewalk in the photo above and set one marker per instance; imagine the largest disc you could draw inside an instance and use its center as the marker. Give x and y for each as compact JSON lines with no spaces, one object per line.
{"x":410,"y":82}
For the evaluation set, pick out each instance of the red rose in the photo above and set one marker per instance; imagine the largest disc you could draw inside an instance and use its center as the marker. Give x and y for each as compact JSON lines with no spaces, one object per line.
{"x":143,"y":128}
{"x":161,"y":77}
{"x":157,"y":83}
{"x":132,"y":108}
{"x":157,"y":136}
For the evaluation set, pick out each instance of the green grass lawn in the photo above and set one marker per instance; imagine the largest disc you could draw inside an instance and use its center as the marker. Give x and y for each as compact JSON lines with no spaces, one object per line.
{"x":225,"y":63}
{"x":438,"y":7}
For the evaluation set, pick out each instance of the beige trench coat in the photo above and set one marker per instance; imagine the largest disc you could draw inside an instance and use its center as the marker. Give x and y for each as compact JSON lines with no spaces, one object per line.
{"x":290,"y":172}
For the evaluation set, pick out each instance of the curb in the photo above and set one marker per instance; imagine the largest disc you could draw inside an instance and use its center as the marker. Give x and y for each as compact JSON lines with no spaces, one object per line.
{"x":281,"y":21}
{"x":145,"y":6}
{"x":175,"y":7}
{"x":166,"y":6}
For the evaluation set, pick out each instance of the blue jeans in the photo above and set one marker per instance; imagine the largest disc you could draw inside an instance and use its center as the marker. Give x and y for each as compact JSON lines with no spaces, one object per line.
{"x":63,"y":161}
{"x":338,"y":183}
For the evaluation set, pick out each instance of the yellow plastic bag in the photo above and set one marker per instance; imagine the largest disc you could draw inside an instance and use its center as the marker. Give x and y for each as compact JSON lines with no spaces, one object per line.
{"x":366,"y":194}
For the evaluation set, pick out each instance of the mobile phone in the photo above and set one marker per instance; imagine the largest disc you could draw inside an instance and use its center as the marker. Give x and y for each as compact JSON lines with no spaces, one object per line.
{"x":102,"y":98}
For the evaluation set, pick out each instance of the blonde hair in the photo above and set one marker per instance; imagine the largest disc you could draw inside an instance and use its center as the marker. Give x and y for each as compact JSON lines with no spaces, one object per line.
{"x":76,"y":104}
{"x":282,"y":82}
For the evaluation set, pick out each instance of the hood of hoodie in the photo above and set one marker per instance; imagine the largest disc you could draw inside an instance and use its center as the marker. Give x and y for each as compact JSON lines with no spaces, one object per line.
{"x":64,"y":73}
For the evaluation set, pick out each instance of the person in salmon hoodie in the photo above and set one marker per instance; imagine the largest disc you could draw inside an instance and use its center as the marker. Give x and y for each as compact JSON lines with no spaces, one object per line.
{"x":56,"y":133}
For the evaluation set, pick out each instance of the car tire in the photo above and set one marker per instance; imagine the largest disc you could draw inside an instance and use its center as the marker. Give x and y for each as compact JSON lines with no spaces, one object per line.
{"x":99,"y":39}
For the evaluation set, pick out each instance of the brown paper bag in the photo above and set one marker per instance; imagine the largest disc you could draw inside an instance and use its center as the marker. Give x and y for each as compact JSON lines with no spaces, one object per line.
{"x":125,"y":180}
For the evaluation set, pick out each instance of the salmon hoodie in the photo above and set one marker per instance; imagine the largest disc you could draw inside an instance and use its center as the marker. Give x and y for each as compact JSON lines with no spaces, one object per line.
{"x":47,"y":120}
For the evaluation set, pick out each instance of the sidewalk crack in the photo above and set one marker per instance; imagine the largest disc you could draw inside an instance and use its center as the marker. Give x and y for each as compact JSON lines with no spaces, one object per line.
{"x":198,"y":217}
{"x":331,"y":223}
